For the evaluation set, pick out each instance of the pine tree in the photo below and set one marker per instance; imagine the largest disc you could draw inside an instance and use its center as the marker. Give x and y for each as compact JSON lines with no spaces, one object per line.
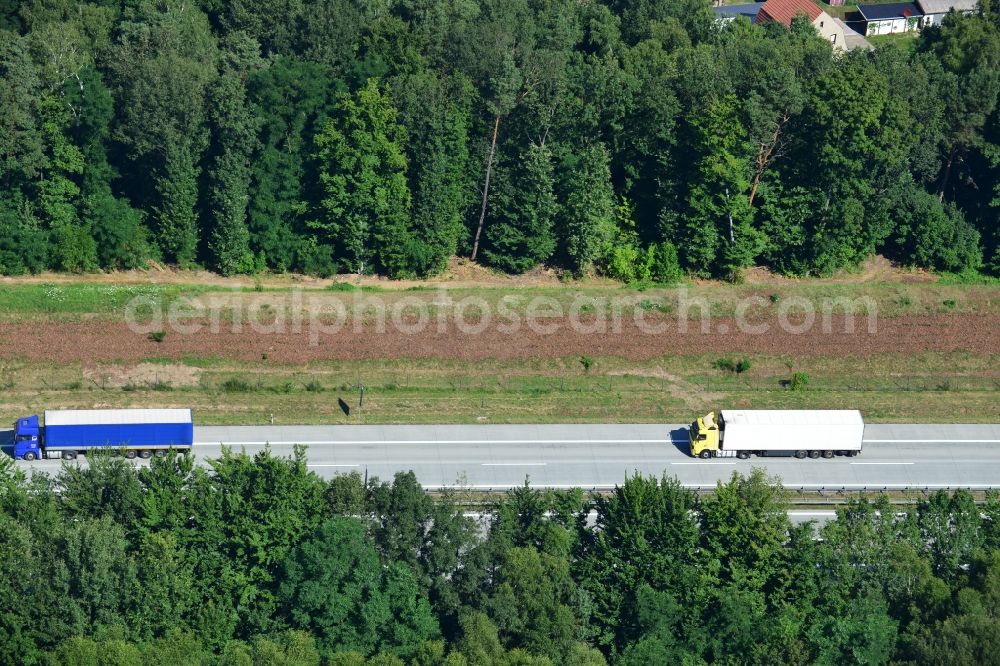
{"x":365,"y":206}
{"x":235,"y":134}
{"x":519,"y":235}
{"x":587,"y":220}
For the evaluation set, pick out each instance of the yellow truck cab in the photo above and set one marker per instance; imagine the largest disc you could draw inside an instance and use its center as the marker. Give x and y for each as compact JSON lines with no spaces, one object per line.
{"x":704,"y":436}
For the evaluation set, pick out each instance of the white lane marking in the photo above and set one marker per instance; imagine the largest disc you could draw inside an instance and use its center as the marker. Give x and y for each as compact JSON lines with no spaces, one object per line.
{"x":881,"y":463}
{"x":329,"y":465}
{"x":824,"y":514}
{"x":524,"y":464}
{"x":432,"y":461}
{"x":443,"y":441}
{"x":932,"y":441}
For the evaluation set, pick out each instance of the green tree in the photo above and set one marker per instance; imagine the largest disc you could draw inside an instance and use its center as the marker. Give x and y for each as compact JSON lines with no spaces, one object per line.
{"x":292,"y":100}
{"x":243,"y":522}
{"x":234,"y":132}
{"x":719,"y":235}
{"x":160,"y":69}
{"x":365,"y":206}
{"x":522,"y":212}
{"x":435,"y":111}
{"x":744,"y":529}
{"x":646,"y":533}
{"x":531,"y":603}
{"x":335,"y":586}
{"x":587,"y":215}
{"x":24,"y":244}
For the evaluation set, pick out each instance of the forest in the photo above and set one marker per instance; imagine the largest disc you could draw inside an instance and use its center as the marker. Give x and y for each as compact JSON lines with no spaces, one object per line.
{"x":636,"y":139}
{"x":257,"y":561}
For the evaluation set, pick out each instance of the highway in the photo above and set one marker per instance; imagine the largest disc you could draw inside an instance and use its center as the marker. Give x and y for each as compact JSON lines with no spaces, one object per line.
{"x":499,"y":457}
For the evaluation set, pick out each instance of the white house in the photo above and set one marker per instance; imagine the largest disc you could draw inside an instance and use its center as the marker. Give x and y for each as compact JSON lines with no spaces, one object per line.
{"x":935,"y":10}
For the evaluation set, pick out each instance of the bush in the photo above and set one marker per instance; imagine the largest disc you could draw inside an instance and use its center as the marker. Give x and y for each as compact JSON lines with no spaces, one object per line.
{"x":663,"y":264}
{"x":23,"y":244}
{"x":118,"y":231}
{"x":933,"y":234}
{"x":236,"y":385}
{"x":799,"y":381}
{"x":314,"y":387}
{"x":729,"y":365}
{"x":586,"y":362}
{"x":624,"y":263}
{"x":73,"y":248}
{"x":157,"y":336}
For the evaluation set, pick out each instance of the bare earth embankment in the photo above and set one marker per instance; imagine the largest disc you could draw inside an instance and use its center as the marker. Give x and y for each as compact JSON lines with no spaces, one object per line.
{"x":104,"y":341}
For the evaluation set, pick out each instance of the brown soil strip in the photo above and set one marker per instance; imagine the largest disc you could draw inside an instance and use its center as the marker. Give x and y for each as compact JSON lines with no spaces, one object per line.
{"x":91,"y":341}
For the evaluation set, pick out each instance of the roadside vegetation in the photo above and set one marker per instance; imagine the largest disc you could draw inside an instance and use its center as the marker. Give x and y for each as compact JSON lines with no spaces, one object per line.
{"x":113,"y":564}
{"x":958,"y":387}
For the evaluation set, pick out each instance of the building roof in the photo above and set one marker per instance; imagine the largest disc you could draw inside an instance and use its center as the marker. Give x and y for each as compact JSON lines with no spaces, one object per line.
{"x":750,"y":10}
{"x":942,"y":6}
{"x":783,"y":11}
{"x":852,"y":38}
{"x":894,"y":10}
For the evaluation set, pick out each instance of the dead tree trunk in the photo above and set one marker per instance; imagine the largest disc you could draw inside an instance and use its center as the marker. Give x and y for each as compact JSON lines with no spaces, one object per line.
{"x":947,"y":174}
{"x":486,"y":188}
{"x":766,"y":153}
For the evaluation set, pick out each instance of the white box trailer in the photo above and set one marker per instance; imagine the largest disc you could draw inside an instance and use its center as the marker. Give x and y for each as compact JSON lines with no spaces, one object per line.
{"x":802,"y":433}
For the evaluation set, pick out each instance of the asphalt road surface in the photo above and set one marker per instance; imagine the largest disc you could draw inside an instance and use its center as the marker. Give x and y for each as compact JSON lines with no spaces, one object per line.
{"x":497,"y":457}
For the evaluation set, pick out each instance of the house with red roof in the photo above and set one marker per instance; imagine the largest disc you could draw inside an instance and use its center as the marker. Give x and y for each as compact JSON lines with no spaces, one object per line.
{"x":783,"y":11}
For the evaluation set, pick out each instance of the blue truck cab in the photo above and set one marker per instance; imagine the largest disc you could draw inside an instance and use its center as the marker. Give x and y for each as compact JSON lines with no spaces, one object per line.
{"x":27,"y":438}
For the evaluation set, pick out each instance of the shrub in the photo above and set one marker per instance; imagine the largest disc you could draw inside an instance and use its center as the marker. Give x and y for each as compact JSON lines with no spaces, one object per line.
{"x":236,"y":385}
{"x":950,"y":303}
{"x":933,"y":234}
{"x":798,"y":381}
{"x":314,"y":387}
{"x":157,"y":336}
{"x":730,"y":365}
{"x":586,"y":362}
{"x":663,"y":264}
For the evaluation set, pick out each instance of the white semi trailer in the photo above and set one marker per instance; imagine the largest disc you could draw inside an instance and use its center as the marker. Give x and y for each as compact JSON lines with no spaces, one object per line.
{"x":774,"y":432}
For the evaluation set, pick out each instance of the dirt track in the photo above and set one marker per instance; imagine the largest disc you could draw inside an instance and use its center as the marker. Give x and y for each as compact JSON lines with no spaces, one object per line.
{"x":92,"y":341}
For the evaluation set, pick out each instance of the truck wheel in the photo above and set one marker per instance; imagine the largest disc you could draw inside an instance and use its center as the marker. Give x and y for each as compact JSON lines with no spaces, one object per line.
{"x":69,"y":455}
{"x":828,"y":454}
{"x":743,"y":455}
{"x":130,"y":453}
{"x":705,"y":455}
{"x":814,"y":454}
{"x":145,"y":453}
{"x":29,"y":456}
{"x":800,"y":454}
{"x":161,"y":453}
